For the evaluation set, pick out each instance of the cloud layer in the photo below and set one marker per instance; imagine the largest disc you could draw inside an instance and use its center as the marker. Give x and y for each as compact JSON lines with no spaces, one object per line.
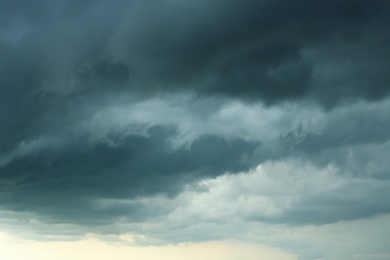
{"x":208,"y":118}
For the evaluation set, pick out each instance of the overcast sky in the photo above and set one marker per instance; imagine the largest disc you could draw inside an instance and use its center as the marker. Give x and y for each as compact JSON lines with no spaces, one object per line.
{"x":207,"y":129}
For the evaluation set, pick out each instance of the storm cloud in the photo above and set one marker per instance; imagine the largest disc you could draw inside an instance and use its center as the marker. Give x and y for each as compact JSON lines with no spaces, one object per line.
{"x":209,"y":118}
{"x":330,"y":51}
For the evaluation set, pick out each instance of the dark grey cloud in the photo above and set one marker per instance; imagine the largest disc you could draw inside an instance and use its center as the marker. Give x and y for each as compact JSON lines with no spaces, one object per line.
{"x":91,"y":106}
{"x":329,"y":51}
{"x":63,"y":180}
{"x":267,"y":50}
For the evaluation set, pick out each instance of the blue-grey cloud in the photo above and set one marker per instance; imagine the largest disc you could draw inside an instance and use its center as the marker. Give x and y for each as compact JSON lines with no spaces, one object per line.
{"x":156,"y":114}
{"x":329,"y":51}
{"x":63,"y":179}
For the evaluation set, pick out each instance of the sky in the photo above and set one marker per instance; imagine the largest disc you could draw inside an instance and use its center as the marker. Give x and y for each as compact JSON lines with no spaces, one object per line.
{"x":207,"y":129}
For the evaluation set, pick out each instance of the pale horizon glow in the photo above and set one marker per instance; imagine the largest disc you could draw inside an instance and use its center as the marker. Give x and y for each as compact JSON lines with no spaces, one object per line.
{"x":92,"y":248}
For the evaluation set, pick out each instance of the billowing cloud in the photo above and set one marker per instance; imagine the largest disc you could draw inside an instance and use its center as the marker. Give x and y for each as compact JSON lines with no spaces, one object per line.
{"x":172,"y":121}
